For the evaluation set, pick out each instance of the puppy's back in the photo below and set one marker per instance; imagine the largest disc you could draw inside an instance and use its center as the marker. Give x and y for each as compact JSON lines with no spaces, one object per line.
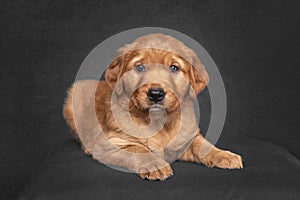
{"x":81,"y":100}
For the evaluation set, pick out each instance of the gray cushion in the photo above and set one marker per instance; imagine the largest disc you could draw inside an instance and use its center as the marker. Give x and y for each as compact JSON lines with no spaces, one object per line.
{"x":270,"y":172}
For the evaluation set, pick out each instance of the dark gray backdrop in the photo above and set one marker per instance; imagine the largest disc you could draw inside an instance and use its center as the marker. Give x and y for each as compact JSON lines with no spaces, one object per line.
{"x":255,"y":44}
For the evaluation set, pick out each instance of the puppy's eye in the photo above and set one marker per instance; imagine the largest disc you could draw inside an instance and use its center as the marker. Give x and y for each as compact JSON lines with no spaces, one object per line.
{"x":173,"y":68}
{"x":140,"y":68}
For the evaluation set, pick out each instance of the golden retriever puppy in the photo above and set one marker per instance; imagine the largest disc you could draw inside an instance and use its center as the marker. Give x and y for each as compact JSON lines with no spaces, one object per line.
{"x":141,"y":117}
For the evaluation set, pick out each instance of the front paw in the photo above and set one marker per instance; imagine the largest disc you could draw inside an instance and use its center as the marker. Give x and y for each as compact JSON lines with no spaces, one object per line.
{"x":157,"y":170}
{"x":223,"y":159}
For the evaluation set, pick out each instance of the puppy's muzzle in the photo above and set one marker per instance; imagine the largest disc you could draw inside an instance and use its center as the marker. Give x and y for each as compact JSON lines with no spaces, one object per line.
{"x":156,"y":94}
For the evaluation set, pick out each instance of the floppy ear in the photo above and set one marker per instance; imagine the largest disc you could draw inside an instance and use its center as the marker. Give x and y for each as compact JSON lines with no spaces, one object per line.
{"x":113,"y":71}
{"x":198,"y":76}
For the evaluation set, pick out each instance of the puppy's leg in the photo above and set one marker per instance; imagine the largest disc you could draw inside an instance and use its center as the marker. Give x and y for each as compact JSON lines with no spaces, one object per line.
{"x":151,"y":167}
{"x":201,"y":151}
{"x":133,"y":157}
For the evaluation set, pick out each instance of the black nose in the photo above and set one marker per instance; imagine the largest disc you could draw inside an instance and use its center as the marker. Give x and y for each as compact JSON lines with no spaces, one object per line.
{"x":156,"y":94}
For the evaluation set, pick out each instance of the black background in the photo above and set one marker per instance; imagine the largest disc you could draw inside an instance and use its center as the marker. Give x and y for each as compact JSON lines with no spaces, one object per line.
{"x":255,"y":44}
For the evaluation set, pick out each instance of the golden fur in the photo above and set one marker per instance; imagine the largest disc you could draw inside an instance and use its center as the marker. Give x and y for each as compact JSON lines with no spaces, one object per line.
{"x":155,"y":52}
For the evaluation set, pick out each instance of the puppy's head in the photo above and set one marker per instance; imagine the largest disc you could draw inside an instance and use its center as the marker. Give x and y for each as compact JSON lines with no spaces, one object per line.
{"x":156,"y":72}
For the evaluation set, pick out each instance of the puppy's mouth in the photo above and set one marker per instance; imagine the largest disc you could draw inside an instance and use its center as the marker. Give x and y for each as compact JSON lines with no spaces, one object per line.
{"x":155,"y":108}
{"x":157,"y":114}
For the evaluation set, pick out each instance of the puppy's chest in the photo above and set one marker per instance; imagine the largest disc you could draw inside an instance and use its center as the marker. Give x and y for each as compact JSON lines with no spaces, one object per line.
{"x":156,"y":143}
{"x":159,"y":142}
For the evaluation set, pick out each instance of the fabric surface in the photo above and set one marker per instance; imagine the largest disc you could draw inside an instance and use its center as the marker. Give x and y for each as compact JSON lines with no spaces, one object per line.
{"x":270,"y":172}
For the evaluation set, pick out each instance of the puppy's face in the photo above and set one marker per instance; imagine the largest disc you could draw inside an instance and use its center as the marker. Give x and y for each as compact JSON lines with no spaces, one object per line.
{"x":155,"y":79}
